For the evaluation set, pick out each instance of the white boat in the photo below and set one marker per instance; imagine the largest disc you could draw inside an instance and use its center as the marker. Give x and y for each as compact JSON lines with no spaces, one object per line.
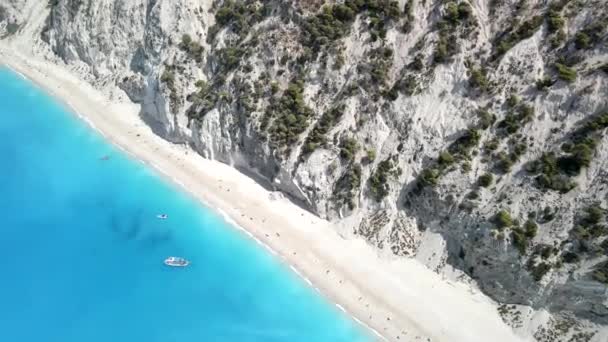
{"x":176,"y":262}
{"x":162,"y":216}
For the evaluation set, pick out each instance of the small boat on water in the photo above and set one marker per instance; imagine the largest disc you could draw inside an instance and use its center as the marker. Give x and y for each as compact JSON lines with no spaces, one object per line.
{"x":176,"y":262}
{"x":162,"y":216}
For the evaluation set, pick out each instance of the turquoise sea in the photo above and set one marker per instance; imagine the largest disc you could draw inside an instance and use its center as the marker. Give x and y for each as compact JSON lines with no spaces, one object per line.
{"x":81,"y":249}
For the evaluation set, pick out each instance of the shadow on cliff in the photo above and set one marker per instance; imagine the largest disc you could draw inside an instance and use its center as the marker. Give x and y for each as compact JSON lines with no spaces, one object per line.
{"x":470,"y":247}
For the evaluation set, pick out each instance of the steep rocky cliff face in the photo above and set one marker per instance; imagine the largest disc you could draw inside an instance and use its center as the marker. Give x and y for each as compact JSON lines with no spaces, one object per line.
{"x":468,"y":134}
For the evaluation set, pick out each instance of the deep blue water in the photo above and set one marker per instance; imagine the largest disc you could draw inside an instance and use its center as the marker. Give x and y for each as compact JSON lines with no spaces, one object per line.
{"x":81,"y":249}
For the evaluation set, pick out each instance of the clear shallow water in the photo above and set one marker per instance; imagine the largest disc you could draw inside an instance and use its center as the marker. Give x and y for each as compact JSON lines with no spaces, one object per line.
{"x":81,"y":249}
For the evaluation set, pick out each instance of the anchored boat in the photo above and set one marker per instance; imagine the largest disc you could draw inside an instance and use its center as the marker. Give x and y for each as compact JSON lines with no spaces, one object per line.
{"x":176,"y":262}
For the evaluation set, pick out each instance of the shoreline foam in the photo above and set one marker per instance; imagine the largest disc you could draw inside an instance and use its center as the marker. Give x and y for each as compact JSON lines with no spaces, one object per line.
{"x":395,"y":296}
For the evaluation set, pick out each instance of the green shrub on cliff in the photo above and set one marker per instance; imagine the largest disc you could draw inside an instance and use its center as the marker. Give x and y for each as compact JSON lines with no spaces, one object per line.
{"x":317,"y":136}
{"x":503,"y":219}
{"x":378,"y":181}
{"x":485,"y":180}
{"x":565,"y":73}
{"x":291,"y":117}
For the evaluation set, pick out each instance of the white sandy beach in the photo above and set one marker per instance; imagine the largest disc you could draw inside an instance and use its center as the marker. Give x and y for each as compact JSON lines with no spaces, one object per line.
{"x":400,"y":299}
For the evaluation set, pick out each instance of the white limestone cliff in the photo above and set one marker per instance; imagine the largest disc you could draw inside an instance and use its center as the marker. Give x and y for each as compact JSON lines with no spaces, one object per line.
{"x":133,"y":50}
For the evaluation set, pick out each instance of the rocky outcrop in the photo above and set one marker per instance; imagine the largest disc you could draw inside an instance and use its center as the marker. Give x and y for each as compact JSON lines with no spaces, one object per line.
{"x":11,"y":16}
{"x":467,"y":134}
